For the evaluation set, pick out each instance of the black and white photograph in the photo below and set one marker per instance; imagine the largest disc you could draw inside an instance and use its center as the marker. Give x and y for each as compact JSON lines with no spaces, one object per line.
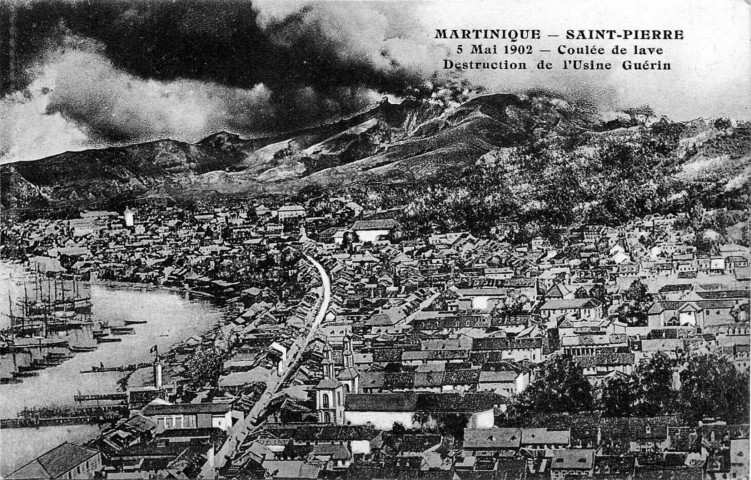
{"x":380,"y":239}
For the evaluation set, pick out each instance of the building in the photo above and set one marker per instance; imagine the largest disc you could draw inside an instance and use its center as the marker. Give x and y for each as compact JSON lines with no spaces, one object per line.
{"x":585,"y":308}
{"x":374,"y":230}
{"x":67,"y":460}
{"x":291,"y":211}
{"x":384,"y":410}
{"x":329,"y":393}
{"x":572,"y":463}
{"x":739,"y":465}
{"x":491,"y":441}
{"x":349,"y":376}
{"x":191,"y":415}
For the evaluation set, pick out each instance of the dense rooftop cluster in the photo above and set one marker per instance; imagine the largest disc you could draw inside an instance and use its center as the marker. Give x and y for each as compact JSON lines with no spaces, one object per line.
{"x":451,"y":355}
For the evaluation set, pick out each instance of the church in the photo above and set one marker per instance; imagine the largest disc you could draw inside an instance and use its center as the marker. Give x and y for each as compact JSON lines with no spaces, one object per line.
{"x":331,"y":391}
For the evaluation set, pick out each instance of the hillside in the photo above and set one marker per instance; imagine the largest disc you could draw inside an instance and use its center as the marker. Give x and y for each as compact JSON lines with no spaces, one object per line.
{"x":531,"y":144}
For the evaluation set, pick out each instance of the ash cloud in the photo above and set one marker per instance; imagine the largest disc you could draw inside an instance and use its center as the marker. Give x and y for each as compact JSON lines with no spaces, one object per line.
{"x":122,"y":72}
{"x":84,"y":74}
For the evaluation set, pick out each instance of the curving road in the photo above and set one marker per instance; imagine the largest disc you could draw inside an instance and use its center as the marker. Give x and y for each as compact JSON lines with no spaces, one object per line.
{"x":239,"y":432}
{"x":326,"y":281}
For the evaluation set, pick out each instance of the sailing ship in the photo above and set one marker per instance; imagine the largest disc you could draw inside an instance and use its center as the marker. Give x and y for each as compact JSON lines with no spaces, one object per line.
{"x":122,"y":330}
{"x":54,"y":320}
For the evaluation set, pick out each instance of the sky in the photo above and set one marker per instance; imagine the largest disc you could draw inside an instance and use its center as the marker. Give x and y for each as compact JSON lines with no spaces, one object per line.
{"x":76,"y":74}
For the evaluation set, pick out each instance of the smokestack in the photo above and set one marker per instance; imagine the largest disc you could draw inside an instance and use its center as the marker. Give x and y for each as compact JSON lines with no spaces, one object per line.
{"x":158,"y":372}
{"x":128,"y":217}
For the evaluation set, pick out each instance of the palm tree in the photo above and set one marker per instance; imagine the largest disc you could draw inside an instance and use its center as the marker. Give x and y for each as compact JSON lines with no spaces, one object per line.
{"x":422,"y":417}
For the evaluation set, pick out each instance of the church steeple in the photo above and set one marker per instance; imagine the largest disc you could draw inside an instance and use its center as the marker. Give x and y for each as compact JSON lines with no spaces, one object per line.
{"x":349,"y":355}
{"x":349,"y":375}
{"x":329,"y":392}
{"x":328,"y":362}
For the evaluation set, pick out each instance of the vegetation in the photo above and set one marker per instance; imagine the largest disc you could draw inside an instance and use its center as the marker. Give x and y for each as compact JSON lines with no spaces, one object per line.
{"x":204,"y":367}
{"x":653,"y":386}
{"x":617,"y":397}
{"x":700,"y":386}
{"x":560,"y":386}
{"x":544,"y":185}
{"x":711,"y":387}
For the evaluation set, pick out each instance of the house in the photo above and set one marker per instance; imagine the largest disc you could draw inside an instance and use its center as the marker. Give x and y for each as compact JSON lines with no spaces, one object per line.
{"x":67,"y":460}
{"x":700,"y":313}
{"x":282,"y":469}
{"x":384,"y":410}
{"x":499,"y":273}
{"x":490,"y":441}
{"x":739,"y":452}
{"x":615,"y":467}
{"x":504,"y":382}
{"x":542,"y":439}
{"x":496,"y":349}
{"x":636,"y":434}
{"x":290,"y":211}
{"x":480,"y":298}
{"x":587,"y":308}
{"x":560,"y":292}
{"x":191,"y":415}
{"x":572,"y":463}
{"x":136,"y":429}
{"x":359,"y":440}
{"x":375,"y":230}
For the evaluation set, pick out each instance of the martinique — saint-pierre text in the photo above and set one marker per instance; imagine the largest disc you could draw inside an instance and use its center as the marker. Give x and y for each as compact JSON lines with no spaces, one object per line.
{"x":534,"y":34}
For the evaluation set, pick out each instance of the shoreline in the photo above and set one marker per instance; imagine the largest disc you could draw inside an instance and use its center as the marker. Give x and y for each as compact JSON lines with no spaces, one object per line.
{"x":214,"y":315}
{"x":148,"y":286}
{"x":123,"y":381}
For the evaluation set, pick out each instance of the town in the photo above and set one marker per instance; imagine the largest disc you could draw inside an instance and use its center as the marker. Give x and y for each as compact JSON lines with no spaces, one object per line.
{"x":352,"y":347}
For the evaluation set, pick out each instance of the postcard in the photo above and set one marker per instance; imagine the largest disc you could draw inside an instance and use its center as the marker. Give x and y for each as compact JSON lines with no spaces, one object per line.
{"x":375,"y":239}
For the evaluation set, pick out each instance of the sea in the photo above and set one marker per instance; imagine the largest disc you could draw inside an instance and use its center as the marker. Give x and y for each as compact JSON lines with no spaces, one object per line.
{"x":170,"y":317}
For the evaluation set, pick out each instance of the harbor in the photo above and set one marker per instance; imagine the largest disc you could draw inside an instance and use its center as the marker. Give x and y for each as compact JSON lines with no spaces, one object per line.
{"x":157,"y":318}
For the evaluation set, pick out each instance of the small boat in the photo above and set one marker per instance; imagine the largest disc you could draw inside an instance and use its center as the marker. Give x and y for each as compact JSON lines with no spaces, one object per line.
{"x":100,"y":333}
{"x":8,"y":381}
{"x":39,"y":342}
{"x":30,"y":368}
{"x":22,"y":374}
{"x":82,"y":348}
{"x":108,"y":340}
{"x":123,"y":330}
{"x":61,"y":355}
{"x":51,"y":362}
{"x":134,"y":322}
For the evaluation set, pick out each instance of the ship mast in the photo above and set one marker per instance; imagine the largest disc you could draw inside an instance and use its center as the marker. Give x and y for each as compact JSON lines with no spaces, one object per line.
{"x":65,"y":305}
{"x":25,"y":300}
{"x":37,"y":287}
{"x":10,"y":307}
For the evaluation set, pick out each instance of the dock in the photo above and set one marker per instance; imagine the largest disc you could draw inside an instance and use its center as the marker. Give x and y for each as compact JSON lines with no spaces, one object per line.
{"x":65,"y":415}
{"x":57,"y":421}
{"x":101,"y":396}
{"x":121,"y":368}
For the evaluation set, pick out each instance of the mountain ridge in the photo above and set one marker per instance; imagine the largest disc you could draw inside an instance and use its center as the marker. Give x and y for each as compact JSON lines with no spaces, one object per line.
{"x":412,"y":141}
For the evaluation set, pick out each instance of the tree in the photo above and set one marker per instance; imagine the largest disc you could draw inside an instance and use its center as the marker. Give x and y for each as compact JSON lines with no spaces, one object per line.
{"x":704,"y":243}
{"x":598,"y":292}
{"x":653,"y":387}
{"x":512,"y":306}
{"x":581,"y":292}
{"x":616,"y":397}
{"x":559,"y":387}
{"x":453,"y":424}
{"x":204,"y":367}
{"x":637,"y":292}
{"x":723,"y":123}
{"x":711,"y":386}
{"x":398,"y":429}
{"x":421,"y":417}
